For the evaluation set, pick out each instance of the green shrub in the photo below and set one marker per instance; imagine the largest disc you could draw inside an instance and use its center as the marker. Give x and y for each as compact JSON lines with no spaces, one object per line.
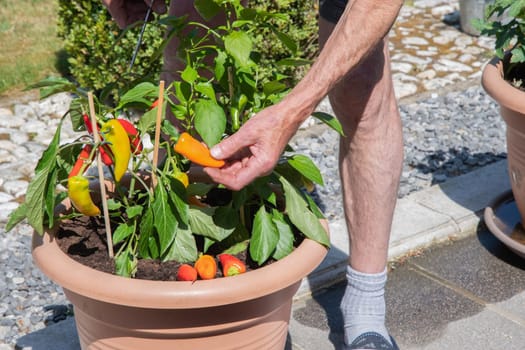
{"x":99,"y":54}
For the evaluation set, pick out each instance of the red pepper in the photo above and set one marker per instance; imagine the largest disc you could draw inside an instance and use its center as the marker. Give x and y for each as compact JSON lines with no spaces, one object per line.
{"x":133,"y":134}
{"x":186,"y":273}
{"x":154,"y":104}
{"x":105,"y":152}
{"x":83,"y":161}
{"x":231,"y":265}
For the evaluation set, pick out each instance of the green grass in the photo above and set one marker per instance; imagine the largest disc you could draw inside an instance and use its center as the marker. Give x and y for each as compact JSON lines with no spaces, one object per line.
{"x":30,"y":48}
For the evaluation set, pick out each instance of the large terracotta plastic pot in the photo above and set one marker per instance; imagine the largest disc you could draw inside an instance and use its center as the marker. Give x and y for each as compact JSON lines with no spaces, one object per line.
{"x":512,"y":109}
{"x":248,"y":311}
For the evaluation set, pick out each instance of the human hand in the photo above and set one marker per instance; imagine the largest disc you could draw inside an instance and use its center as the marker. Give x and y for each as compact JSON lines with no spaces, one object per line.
{"x":126,"y":12}
{"x":253,"y":151}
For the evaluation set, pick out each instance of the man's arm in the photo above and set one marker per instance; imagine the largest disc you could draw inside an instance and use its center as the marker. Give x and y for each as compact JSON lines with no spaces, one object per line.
{"x":255,"y":149}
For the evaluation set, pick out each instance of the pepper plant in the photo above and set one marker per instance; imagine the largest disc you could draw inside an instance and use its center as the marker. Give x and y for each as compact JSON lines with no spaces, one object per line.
{"x":505,"y":21}
{"x":177,"y":216}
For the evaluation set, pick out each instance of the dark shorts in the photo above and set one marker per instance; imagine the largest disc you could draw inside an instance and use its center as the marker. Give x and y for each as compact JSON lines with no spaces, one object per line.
{"x":331,"y":10}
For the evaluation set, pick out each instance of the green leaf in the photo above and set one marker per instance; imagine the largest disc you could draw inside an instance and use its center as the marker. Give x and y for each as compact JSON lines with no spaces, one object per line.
{"x":518,"y":55}
{"x":210,"y":121}
{"x":301,"y":216}
{"x":273,"y":87}
{"x":53,"y":85}
{"x":207,"y":90}
{"x":286,"y":40}
{"x":149,"y":119}
{"x":147,"y":231}
{"x":123,"y":231}
{"x":264,"y":236}
{"x":184,"y":248}
{"x":201,"y":223}
{"x":139,"y":94}
{"x":41,"y":191}
{"x":239,"y":46}
{"x":206,"y":8}
{"x":177,"y":197}
{"x":125,"y":264}
{"x":329,"y":120}
{"x":286,"y":237}
{"x":306,"y":167}
{"x":165,"y":221}
{"x":133,"y":211}
{"x":189,"y":74}
{"x":16,"y":217}
{"x":220,"y":64}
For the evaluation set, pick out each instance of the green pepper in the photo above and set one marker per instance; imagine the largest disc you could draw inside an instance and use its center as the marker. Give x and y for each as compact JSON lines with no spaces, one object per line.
{"x":234,"y":114}
{"x":78,"y":192}
{"x":118,"y":139}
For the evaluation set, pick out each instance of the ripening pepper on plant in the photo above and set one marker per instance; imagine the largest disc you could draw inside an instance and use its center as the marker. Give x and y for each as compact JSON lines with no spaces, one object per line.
{"x":85,"y":157}
{"x":196,"y":151}
{"x":118,"y":139}
{"x":107,"y":158}
{"x":78,"y":192}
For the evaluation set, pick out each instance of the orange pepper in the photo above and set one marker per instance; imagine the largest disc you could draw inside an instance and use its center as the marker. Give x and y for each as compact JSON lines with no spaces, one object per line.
{"x":206,"y":267}
{"x":196,"y":151}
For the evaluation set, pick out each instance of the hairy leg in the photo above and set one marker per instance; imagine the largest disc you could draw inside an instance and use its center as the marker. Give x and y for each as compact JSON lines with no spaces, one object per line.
{"x":370,"y":162}
{"x":371,"y":155}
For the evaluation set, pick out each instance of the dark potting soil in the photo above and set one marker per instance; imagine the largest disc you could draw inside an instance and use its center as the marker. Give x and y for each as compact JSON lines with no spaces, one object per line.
{"x":84,"y":240}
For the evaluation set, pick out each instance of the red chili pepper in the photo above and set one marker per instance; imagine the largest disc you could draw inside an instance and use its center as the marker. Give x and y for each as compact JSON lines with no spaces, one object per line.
{"x":154,"y":104}
{"x":186,"y":273}
{"x":206,"y":267}
{"x":133,"y":134}
{"x":83,"y":161}
{"x":105,"y":152}
{"x":231,"y":265}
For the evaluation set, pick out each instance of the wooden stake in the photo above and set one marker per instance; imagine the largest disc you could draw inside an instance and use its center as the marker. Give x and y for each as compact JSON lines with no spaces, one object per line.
{"x":101,"y":176}
{"x":157,"y":133}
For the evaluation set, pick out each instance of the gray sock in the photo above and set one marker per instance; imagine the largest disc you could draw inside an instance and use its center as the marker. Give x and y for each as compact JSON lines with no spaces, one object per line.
{"x":363,"y":304}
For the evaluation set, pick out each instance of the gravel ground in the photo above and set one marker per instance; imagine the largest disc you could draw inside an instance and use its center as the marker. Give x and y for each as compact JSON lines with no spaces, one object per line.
{"x":445,"y":136}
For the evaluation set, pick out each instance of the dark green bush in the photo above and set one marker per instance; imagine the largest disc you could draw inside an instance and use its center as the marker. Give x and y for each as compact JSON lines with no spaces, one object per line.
{"x":99,"y":54}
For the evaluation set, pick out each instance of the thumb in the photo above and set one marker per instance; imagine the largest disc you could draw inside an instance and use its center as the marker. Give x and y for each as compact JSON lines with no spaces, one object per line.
{"x":229,"y":147}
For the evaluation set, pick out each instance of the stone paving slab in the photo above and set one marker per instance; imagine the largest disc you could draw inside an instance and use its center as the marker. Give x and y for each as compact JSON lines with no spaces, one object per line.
{"x":439,"y":213}
{"x":464,"y":294}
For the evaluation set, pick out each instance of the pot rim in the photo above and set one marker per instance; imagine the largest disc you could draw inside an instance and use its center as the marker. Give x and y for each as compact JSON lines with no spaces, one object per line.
{"x":499,"y":89}
{"x":80,"y":279}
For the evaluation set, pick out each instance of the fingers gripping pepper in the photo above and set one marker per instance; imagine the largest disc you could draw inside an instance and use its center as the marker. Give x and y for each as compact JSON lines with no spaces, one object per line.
{"x":206,"y":267}
{"x":196,"y":151}
{"x":78,"y":192}
{"x":231,"y":265}
{"x":117,"y":137}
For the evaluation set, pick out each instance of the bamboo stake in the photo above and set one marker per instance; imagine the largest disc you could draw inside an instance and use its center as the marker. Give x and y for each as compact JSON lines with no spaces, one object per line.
{"x":157,"y":133}
{"x":101,"y":176}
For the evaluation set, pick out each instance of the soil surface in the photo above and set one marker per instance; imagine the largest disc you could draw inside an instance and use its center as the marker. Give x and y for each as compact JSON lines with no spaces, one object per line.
{"x":84,"y":240}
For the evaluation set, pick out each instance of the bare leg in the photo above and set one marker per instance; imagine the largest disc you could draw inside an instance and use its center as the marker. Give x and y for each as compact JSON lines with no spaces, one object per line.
{"x":370,"y":162}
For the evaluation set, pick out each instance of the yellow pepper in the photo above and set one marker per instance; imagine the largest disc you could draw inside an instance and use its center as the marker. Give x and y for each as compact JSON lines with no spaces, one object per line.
{"x":78,"y":192}
{"x":118,"y":139}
